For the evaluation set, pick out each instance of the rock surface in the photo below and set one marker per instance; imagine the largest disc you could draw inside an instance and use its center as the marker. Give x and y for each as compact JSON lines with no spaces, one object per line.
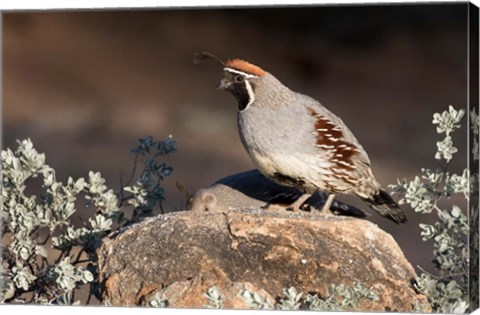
{"x":180,"y":255}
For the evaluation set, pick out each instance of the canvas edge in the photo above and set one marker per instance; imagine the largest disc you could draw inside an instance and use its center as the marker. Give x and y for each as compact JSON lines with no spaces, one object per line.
{"x":473,"y":162}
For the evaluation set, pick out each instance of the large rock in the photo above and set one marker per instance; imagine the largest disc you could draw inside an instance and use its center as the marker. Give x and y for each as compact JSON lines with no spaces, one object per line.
{"x":180,"y":255}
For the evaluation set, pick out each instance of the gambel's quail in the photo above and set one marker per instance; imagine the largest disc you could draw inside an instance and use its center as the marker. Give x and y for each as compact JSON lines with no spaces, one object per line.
{"x":295,"y":141}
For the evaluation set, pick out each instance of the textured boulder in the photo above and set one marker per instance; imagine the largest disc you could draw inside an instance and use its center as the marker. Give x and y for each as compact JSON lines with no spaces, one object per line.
{"x":180,"y":255}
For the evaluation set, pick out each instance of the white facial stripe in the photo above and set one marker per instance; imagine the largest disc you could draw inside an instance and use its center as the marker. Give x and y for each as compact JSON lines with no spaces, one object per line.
{"x":251,"y":95}
{"x":247,"y":75}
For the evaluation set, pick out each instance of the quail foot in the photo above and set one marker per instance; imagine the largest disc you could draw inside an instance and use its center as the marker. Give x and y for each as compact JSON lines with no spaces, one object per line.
{"x":295,"y":141}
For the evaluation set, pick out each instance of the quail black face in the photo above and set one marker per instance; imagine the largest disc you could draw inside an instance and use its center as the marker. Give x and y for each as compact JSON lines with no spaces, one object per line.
{"x":241,"y":85}
{"x":239,"y":78}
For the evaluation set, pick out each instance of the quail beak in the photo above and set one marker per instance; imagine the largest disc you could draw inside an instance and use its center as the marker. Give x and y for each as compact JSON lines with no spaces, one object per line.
{"x":223,"y":85}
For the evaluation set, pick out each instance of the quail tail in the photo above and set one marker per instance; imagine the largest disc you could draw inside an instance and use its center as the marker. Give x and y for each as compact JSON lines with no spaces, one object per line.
{"x":384,"y":205}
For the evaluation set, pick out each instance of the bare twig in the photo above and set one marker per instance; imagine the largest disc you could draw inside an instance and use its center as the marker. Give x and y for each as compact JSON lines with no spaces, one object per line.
{"x":134,"y":170}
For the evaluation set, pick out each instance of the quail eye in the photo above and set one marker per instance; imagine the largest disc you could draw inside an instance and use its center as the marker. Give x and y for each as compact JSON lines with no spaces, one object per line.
{"x":239,"y":78}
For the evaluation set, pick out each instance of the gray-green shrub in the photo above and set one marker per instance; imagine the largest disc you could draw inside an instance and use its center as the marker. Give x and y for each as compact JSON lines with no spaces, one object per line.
{"x":29,"y":273}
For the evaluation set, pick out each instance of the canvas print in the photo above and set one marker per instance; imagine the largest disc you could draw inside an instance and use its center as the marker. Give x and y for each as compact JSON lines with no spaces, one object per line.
{"x":315,"y":157}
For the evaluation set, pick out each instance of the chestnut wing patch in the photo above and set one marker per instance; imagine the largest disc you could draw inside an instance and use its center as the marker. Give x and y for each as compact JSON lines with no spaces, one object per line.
{"x":330,"y":137}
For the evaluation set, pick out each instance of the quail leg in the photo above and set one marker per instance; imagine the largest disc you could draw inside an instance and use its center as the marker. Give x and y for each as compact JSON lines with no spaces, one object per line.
{"x":328,"y":203}
{"x":297,"y":205}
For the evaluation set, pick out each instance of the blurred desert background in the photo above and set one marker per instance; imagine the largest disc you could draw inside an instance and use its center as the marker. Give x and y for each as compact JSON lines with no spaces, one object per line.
{"x":84,"y":86}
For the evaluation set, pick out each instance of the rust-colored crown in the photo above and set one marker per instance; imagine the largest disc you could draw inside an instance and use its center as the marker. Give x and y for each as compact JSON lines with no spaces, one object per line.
{"x":245,"y":66}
